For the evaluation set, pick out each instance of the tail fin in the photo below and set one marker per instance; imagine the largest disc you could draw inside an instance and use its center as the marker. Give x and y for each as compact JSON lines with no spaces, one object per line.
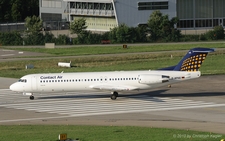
{"x":192,"y":60}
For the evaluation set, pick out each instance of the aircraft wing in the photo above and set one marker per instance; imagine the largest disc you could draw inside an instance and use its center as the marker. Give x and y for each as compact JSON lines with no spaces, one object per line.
{"x":110,"y":87}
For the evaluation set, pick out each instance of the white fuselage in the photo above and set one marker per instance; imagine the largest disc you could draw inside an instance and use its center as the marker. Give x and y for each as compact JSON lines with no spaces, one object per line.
{"x":92,"y":81}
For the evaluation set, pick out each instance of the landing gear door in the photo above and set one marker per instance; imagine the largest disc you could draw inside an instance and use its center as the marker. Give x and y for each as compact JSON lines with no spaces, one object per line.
{"x":34,"y":83}
{"x":139,"y":78}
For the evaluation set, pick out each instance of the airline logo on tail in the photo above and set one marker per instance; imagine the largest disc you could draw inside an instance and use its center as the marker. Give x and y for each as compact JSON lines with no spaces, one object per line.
{"x":193,"y":63}
{"x":193,"y":59}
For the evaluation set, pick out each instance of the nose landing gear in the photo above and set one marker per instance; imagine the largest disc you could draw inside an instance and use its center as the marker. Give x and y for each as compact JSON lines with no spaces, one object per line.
{"x":29,"y":94}
{"x":31,"y":97}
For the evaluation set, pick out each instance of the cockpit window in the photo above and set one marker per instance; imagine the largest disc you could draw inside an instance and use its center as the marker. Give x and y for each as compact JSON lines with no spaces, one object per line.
{"x":22,"y":80}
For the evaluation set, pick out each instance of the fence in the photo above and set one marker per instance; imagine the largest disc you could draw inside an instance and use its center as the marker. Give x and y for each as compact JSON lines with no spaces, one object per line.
{"x":7,"y":27}
{"x":60,"y":25}
{"x":47,"y":25}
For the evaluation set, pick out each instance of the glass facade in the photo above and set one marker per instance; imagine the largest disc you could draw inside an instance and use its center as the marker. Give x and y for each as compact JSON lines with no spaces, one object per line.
{"x":200,"y":13}
{"x":51,"y":3}
{"x":91,"y":5}
{"x":153,"y":5}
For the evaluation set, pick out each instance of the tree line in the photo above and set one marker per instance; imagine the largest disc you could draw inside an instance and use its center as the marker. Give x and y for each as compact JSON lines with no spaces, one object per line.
{"x":159,"y":28}
{"x":17,"y":10}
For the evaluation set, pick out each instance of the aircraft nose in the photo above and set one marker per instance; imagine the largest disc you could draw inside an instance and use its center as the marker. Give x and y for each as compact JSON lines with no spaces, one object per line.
{"x":14,"y":87}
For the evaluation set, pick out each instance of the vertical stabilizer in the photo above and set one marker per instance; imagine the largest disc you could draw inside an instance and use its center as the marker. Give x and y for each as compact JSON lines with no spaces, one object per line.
{"x":193,"y":60}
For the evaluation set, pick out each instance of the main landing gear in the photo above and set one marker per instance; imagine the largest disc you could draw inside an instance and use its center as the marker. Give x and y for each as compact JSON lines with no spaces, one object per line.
{"x":31,"y":97}
{"x":114,"y":95}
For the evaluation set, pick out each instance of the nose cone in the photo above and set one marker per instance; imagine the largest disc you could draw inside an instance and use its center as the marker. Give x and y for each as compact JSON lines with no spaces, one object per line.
{"x":14,"y":87}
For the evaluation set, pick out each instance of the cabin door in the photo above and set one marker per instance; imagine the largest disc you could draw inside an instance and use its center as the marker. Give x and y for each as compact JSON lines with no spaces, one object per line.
{"x":34,"y":83}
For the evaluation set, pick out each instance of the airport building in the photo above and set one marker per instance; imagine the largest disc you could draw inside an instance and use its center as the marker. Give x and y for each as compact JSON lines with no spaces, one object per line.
{"x":101,"y":15}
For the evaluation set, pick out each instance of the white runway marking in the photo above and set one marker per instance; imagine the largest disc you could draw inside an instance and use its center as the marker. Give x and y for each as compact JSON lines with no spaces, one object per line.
{"x":8,"y":55}
{"x":77,"y":105}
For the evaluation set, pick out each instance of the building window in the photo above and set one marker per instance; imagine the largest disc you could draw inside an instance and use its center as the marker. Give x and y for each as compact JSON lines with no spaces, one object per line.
{"x":185,"y":24}
{"x":153,"y":5}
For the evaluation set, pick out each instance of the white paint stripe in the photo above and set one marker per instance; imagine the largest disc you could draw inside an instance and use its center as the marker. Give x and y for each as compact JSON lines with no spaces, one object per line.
{"x":8,"y":55}
{"x":93,"y":105}
{"x":58,"y":117}
{"x":8,"y":50}
{"x":99,"y":105}
{"x":105,"y":109}
{"x":103,"y":101}
{"x":78,"y":109}
{"x":5,"y":89}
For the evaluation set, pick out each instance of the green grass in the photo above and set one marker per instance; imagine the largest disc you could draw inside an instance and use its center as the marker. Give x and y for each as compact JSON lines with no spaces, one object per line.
{"x":87,"y":50}
{"x":16,"y":69}
{"x":101,"y":133}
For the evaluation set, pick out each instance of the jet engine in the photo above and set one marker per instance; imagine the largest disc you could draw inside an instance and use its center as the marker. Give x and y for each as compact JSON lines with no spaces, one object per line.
{"x":153,"y":79}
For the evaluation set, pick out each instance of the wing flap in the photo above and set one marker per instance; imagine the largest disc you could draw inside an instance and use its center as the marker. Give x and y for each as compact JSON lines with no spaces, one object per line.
{"x":113,"y":87}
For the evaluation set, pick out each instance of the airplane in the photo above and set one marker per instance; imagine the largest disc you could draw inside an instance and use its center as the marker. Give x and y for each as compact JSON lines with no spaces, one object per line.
{"x":114,"y":81}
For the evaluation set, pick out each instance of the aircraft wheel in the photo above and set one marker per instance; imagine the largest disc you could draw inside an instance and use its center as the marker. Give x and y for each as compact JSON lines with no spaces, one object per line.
{"x":31,"y":97}
{"x":116,"y":94}
{"x":113,"y":97}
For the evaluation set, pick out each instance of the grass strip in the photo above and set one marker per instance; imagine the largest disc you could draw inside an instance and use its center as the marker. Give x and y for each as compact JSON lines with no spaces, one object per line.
{"x":16,"y":69}
{"x":101,"y":133}
{"x":91,"y":50}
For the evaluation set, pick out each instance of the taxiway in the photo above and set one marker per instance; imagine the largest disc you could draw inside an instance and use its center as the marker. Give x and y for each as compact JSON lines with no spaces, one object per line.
{"x":192,"y":105}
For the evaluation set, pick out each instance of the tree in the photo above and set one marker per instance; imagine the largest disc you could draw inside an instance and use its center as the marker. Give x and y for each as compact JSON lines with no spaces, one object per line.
{"x":163,"y":28}
{"x":77,"y":26}
{"x":33,"y":24}
{"x":16,"y":11}
{"x":5,"y":10}
{"x":215,"y":34}
{"x":122,"y":34}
